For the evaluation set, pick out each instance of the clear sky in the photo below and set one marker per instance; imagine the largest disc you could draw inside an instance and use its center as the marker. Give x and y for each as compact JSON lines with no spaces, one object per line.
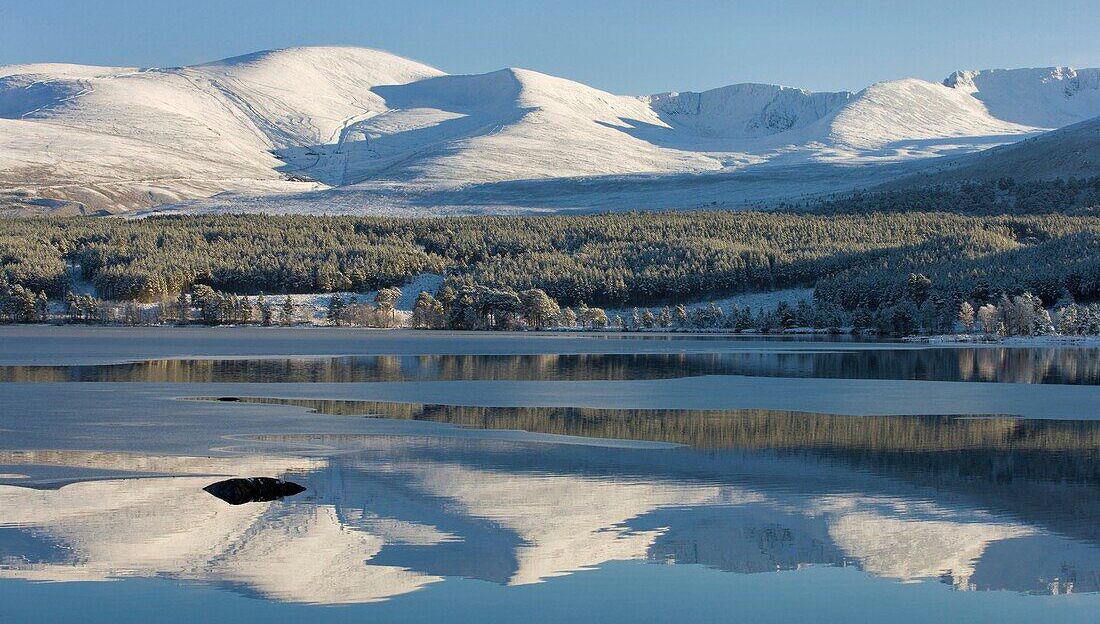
{"x":622,"y":46}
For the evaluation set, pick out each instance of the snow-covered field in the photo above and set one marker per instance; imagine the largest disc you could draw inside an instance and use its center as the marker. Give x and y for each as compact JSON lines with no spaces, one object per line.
{"x":353,"y":130}
{"x":313,"y":307}
{"x":757,"y":301}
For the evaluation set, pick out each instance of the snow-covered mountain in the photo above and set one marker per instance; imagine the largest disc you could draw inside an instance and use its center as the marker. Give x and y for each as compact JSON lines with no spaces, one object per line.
{"x":361,"y":131}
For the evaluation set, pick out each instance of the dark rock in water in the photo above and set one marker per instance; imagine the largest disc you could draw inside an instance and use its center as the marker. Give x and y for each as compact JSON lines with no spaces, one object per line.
{"x":253,"y":490}
{"x":229,"y":399}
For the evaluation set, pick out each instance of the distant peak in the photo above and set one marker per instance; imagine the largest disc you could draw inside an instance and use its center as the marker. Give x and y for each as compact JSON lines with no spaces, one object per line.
{"x":961,"y":79}
{"x":313,"y":53}
{"x":967,"y":78}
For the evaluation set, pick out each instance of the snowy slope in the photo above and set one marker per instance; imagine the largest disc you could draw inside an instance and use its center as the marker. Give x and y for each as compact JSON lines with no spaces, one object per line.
{"x":351,"y":130}
{"x":914,"y":110}
{"x":1048,"y":97}
{"x":1072,"y":151}
{"x":139,"y":137}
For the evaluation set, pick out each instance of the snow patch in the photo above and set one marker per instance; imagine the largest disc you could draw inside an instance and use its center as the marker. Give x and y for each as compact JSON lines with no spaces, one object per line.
{"x":757,"y":301}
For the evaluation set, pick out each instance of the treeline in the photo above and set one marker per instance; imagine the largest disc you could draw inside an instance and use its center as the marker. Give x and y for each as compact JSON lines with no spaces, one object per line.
{"x":858,"y":253}
{"x":754,"y":429}
{"x":918,"y":309}
{"x":613,"y":260}
{"x":1003,"y":196}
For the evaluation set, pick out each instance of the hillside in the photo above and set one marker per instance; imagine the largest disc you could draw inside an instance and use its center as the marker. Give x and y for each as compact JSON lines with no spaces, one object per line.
{"x":352,"y":130}
{"x":126,"y":138}
{"x":1072,"y":151}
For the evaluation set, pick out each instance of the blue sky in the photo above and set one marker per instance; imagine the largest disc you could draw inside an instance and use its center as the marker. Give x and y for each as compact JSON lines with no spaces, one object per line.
{"x":625,"y":47}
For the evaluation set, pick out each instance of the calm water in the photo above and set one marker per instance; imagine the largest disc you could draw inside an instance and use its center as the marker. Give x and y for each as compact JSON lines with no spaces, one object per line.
{"x":417,"y":512}
{"x":987,"y":364}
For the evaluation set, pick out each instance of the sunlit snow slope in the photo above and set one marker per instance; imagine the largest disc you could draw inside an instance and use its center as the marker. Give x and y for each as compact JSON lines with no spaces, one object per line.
{"x":350,"y":130}
{"x":123,"y":138}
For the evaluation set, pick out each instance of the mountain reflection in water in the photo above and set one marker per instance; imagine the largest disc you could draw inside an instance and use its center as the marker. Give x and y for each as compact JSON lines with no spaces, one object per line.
{"x":977,"y":503}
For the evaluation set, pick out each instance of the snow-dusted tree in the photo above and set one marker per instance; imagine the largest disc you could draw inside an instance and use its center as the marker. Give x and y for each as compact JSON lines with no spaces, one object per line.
{"x":183,"y":309}
{"x":1090,"y":321}
{"x":902,"y":319}
{"x":681,"y":316}
{"x":785,"y":315}
{"x":990,"y":320}
{"x":336,"y":310}
{"x":208,"y":302}
{"x":427,"y":312}
{"x":1009,"y":316}
{"x":20,"y":304}
{"x":267,"y":311}
{"x":464,"y":312}
{"x":288,"y":311}
{"x":1044,"y":325}
{"x":1068,"y":319}
{"x":966,"y":316}
{"x":744,"y":319}
{"x":539,"y":309}
{"x":648,"y":320}
{"x":71,"y":306}
{"x":806,"y":314}
{"x":90,"y":306}
{"x":715,"y":317}
{"x":568,"y":317}
{"x":664,"y":319}
{"x":446,"y":296}
{"x":1033,"y":313}
{"x":596,"y":317}
{"x":41,"y":306}
{"x":386,"y":300}
{"x":1019,"y":314}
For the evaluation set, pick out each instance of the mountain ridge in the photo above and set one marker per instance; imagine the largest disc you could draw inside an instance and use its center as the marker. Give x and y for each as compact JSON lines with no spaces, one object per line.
{"x":357,"y":130}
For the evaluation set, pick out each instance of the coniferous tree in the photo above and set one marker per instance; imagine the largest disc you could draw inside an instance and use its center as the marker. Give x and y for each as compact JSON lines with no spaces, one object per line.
{"x":445,"y":296}
{"x":335,"y":312}
{"x":42,"y":307}
{"x":267,"y":311}
{"x":288,"y":311}
{"x":681,"y":316}
{"x":664,"y":319}
{"x":966,"y":316}
{"x":538,"y":308}
{"x":183,"y":309}
{"x":427,"y":312}
{"x":568,"y":317}
{"x":72,"y":307}
{"x":386,"y":300}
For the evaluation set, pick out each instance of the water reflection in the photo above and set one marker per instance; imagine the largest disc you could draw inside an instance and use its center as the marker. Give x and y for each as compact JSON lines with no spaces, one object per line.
{"x":993,"y":364}
{"x":978,"y":504}
{"x":990,"y":448}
